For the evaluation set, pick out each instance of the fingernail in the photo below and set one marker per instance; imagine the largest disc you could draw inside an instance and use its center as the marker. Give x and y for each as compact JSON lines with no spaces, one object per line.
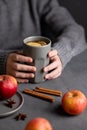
{"x":45,"y":70}
{"x":46,"y":76}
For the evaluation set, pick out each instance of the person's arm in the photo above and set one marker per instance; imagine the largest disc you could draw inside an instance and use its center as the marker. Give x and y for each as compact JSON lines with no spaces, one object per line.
{"x":71,"y":40}
{"x":70,"y":43}
{"x":3,"y":58}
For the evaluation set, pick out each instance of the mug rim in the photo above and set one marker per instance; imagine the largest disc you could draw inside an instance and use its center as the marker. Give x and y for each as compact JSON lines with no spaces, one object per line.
{"x":36,"y":38}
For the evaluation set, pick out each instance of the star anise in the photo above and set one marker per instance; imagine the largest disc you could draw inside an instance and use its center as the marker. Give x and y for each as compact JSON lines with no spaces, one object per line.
{"x":21,"y":116}
{"x":10,"y":102}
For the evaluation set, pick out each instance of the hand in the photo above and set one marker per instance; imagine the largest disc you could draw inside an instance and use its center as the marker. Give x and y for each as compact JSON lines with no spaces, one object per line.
{"x":55,"y":67}
{"x":15,"y":67}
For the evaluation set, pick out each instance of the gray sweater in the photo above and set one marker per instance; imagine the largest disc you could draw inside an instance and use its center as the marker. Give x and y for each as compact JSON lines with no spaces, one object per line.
{"x":23,"y":18}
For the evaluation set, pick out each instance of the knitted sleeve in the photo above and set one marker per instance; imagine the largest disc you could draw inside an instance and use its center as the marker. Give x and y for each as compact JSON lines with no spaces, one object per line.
{"x":70,"y":36}
{"x":3,"y":57}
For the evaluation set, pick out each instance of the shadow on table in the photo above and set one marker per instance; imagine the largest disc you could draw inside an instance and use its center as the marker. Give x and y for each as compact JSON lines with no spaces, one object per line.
{"x":58,"y":110}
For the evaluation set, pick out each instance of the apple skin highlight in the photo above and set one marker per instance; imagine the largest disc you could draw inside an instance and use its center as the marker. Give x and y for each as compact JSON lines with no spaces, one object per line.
{"x":74,"y":102}
{"x":8,"y":86}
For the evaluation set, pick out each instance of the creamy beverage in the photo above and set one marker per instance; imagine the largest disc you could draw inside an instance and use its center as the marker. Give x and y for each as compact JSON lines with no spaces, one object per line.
{"x":36,"y":43}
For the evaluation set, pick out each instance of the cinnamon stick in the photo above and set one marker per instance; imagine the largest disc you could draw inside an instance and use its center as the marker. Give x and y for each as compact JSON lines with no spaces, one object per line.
{"x":48,"y":91}
{"x":39,"y":95}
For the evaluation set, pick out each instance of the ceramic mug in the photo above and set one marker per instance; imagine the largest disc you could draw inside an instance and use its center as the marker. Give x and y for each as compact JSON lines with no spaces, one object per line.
{"x":37,"y":47}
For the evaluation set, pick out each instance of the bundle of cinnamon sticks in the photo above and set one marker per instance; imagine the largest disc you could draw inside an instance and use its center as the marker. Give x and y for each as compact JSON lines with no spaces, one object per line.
{"x":42,"y":93}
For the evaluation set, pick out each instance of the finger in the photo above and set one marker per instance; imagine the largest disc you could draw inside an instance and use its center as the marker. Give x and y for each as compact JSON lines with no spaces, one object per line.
{"x":23,"y":75}
{"x":23,"y":67}
{"x":21,"y":58}
{"x":54,"y":74}
{"x":52,"y":53}
{"x":51,"y":66}
{"x":19,"y":80}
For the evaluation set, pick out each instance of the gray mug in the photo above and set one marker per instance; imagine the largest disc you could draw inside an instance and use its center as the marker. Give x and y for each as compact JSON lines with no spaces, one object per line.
{"x":37,"y":47}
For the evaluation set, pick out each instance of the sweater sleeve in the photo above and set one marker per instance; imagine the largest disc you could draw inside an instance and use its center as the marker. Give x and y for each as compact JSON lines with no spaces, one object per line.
{"x":69,"y":47}
{"x":3,"y":57}
{"x":71,"y":40}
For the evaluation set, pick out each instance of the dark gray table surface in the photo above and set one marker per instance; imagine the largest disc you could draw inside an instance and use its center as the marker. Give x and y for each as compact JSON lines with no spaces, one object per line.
{"x":74,"y":76}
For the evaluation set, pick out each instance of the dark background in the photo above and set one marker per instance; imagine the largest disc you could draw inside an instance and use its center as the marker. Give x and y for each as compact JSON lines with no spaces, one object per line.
{"x":78,"y":9}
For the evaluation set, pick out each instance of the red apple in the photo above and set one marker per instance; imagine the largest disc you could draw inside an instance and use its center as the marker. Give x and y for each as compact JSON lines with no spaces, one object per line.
{"x":8,"y":86}
{"x":38,"y":123}
{"x":74,"y":102}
